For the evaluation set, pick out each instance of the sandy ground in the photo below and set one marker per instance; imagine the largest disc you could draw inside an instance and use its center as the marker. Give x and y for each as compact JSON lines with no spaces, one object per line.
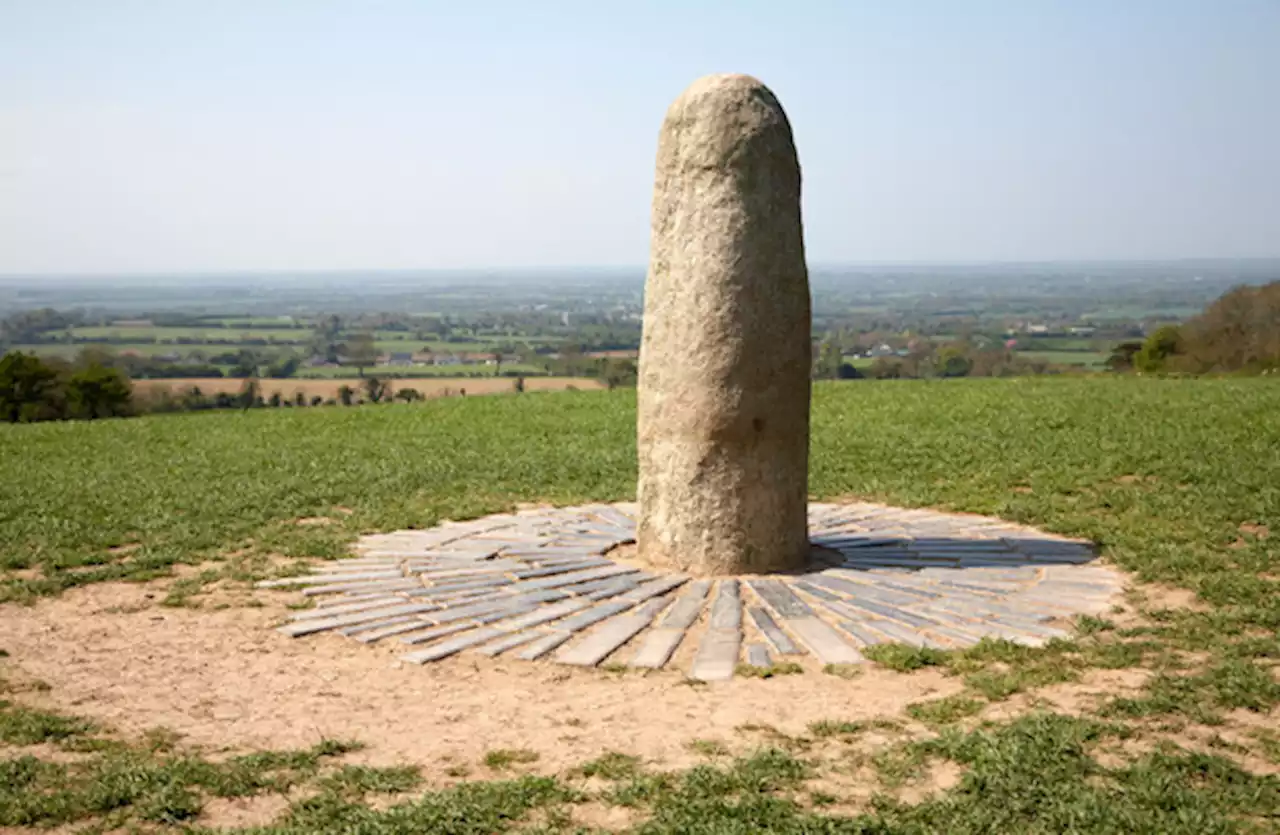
{"x":225,"y":679}
{"x":426,"y":386}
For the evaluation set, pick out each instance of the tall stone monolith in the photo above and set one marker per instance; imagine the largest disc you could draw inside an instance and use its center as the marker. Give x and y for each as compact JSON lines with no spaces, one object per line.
{"x":723,"y":423}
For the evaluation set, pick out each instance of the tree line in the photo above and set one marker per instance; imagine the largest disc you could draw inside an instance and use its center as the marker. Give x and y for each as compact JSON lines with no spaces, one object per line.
{"x":1238,"y":333}
{"x":34,"y":389}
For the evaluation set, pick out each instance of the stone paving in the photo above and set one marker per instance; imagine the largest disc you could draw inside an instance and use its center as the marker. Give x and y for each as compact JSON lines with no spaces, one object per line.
{"x":540,"y":584}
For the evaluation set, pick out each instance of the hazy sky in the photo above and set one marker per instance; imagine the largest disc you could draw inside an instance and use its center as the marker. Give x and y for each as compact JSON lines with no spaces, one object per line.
{"x":166,"y":135}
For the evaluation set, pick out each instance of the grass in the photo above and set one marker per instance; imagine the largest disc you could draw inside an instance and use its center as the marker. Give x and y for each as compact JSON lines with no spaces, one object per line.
{"x":784,"y":668}
{"x":944,"y":711}
{"x":501,"y":759}
{"x":1178,"y":480}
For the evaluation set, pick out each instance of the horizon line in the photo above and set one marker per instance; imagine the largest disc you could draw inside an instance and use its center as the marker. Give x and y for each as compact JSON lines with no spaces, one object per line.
{"x":640,"y":268}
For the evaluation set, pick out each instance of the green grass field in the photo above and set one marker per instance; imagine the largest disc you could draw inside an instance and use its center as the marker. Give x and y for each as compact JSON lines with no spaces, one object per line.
{"x":1088,"y":359}
{"x":1178,"y":480}
{"x":171,"y":334}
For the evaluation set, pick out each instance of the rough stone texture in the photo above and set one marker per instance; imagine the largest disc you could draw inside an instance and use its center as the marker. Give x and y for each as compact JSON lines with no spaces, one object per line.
{"x":723,"y":422}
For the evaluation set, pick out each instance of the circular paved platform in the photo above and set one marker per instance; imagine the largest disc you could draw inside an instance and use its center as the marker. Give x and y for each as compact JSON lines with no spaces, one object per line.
{"x":541,"y":584}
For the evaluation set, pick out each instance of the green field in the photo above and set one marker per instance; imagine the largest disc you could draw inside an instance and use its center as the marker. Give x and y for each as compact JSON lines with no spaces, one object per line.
{"x":1178,"y":480}
{"x":1089,"y":359}
{"x":171,"y":335}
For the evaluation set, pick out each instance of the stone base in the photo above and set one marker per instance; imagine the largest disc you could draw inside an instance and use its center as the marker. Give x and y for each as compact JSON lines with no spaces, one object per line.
{"x":557,"y":584}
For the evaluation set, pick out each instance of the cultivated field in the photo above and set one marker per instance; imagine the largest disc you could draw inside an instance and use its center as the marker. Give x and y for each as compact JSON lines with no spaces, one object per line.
{"x":328,"y":388}
{"x":167,"y":700}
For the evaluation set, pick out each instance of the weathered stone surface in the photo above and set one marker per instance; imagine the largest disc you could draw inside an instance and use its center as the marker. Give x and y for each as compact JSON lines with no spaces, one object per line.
{"x":723,"y":421}
{"x":758,"y":655}
{"x":599,"y":606}
{"x":770,"y":629}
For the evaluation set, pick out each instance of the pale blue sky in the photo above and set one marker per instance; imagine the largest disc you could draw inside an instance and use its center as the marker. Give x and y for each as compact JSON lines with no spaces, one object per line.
{"x":166,"y":135}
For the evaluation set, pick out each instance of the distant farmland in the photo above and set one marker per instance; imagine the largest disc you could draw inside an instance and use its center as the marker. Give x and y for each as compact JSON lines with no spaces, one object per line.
{"x":427,"y":387}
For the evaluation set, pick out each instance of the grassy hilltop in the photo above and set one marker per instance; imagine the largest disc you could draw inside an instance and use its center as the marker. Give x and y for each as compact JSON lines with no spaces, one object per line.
{"x":1179,"y":480}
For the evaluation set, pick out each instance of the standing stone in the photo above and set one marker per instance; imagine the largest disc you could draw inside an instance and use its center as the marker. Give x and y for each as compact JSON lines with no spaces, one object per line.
{"x":723,"y":422}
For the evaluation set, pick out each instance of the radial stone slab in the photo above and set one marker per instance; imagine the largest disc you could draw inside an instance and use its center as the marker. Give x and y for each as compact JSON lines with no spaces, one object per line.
{"x":543,"y":584}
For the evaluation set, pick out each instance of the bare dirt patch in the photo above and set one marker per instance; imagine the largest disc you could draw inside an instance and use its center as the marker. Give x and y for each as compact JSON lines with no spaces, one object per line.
{"x":243,"y":812}
{"x":224,"y":679}
{"x":1154,"y":596}
{"x":1078,"y":698}
{"x":940,"y":776}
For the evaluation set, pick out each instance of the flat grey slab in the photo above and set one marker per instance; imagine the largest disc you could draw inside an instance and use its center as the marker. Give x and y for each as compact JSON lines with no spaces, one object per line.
{"x":781,"y":599}
{"x":657,"y":648}
{"x":601,"y":642}
{"x":717,"y":655}
{"x":543,"y":645}
{"x":823,"y":641}
{"x":450,"y":646}
{"x":770,"y":629}
{"x":506,"y":642}
{"x":726,"y":611}
{"x":688,"y":606}
{"x":542,"y":581}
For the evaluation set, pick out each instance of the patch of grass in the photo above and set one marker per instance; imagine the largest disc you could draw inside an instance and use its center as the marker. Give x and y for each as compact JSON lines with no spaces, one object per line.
{"x":1090,"y":625}
{"x":997,"y":686}
{"x":708,"y":747}
{"x":1228,"y":685}
{"x":786,"y":668}
{"x":845,"y":671}
{"x":500,"y":759}
{"x":119,"y":784}
{"x":182,"y":592}
{"x":25,"y":726}
{"x":480,"y":808}
{"x":826,"y":728}
{"x":1036,"y":774}
{"x":359,"y":780}
{"x":905,"y":658}
{"x":944,"y":711}
{"x":612,"y":766}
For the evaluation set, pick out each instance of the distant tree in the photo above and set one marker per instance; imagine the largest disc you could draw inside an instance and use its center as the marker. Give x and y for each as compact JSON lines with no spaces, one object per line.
{"x":245,"y":365}
{"x":377,"y":389}
{"x":886,"y":369}
{"x":1155,"y":352}
{"x":98,"y":392}
{"x":361,"y":351}
{"x":1122,"y":355}
{"x":827,"y":359}
{"x":346,"y":394}
{"x":29,"y":389}
{"x":248,"y":397}
{"x":285,"y":367}
{"x":848,"y":371}
{"x":953,"y":361}
{"x":1238,"y":332}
